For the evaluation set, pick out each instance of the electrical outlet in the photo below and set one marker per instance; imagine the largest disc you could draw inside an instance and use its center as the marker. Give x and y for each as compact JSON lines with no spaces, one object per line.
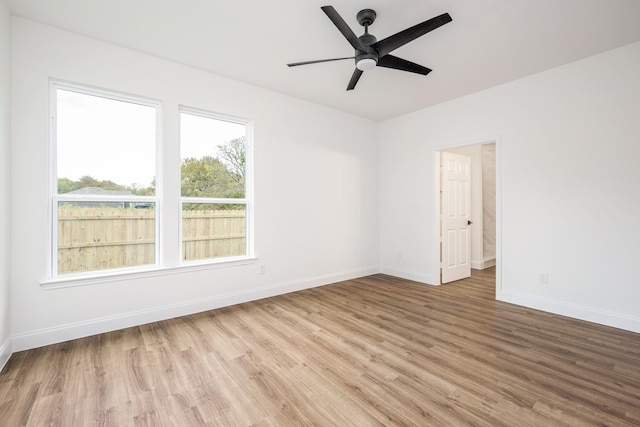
{"x":543,"y":278}
{"x":399,"y":255}
{"x":263,"y":269}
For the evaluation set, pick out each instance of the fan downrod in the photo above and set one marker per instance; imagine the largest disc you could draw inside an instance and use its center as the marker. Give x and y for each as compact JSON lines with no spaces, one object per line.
{"x":366,"y":17}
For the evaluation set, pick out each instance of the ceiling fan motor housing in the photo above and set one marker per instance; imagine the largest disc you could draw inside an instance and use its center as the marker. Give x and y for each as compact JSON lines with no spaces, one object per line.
{"x":368,"y":54}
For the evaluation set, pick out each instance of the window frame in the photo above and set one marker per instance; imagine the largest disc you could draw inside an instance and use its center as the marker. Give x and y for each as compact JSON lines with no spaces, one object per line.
{"x":165,"y":203}
{"x":247,"y":200}
{"x":56,"y":199}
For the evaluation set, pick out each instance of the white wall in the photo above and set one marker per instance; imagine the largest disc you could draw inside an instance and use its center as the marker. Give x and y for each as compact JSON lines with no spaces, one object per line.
{"x":316,"y":186}
{"x":568,"y":179}
{"x":489,"y":205}
{"x":5,"y":195}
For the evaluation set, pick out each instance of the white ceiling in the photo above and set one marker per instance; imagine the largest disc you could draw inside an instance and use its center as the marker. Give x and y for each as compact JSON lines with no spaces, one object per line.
{"x":489,"y":41}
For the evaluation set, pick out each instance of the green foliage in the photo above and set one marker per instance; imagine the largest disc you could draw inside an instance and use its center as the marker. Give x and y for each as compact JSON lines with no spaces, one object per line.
{"x":213,"y":207}
{"x":215,"y":177}
{"x":65,"y":185}
{"x":208,"y":177}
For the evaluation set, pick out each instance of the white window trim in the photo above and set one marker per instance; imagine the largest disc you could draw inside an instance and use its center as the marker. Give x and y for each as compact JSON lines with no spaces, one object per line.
{"x":151,"y":270}
{"x":56,"y":198}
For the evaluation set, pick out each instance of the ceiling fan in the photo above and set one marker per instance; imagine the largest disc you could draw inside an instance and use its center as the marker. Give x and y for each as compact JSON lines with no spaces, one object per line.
{"x":370,"y":52}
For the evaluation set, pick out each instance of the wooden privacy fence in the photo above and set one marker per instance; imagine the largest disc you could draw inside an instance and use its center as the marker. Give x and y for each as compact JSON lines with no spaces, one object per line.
{"x":211,"y":234}
{"x":97,"y":238}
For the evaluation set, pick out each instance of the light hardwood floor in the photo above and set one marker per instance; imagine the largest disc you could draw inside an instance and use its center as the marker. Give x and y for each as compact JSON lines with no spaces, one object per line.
{"x":372,"y":351}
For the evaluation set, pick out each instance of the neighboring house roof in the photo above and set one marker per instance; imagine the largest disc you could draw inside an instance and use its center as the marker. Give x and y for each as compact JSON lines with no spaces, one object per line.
{"x":100,"y":191}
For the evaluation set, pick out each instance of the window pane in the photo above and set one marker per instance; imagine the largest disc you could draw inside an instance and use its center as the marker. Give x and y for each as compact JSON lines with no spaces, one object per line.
{"x":104,"y":144}
{"x":211,"y":230}
{"x":213,"y":157}
{"x":104,"y":235}
{"x":105,"y":151}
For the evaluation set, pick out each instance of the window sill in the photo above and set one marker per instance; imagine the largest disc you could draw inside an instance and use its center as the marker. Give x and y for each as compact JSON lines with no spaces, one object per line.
{"x":153,"y":271}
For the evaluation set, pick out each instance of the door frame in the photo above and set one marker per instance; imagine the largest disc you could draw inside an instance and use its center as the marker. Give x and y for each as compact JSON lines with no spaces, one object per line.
{"x":437,"y":227}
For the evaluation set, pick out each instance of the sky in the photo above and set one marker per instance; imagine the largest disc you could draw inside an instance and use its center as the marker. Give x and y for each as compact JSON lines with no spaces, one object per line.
{"x":115,"y":140}
{"x":200,"y":136}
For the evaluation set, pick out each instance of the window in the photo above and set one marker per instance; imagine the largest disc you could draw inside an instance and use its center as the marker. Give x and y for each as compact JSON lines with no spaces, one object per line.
{"x":213,"y":172}
{"x":104,"y":169}
{"x":107,"y":205}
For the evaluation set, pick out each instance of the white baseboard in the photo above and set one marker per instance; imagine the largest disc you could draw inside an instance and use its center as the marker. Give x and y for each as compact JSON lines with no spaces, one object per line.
{"x":589,"y":314}
{"x":5,"y":352}
{"x":488,"y":263}
{"x":481,"y":265}
{"x":42,"y":337}
{"x":407,"y":274}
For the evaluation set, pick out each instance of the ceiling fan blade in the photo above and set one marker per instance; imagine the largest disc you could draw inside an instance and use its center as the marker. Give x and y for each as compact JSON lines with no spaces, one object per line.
{"x":346,"y":31}
{"x":390,"y":61}
{"x":354,"y":79}
{"x":393,"y":42}
{"x":295,"y":64}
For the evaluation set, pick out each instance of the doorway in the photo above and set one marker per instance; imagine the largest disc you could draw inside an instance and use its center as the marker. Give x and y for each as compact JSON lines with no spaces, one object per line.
{"x":481,"y":226}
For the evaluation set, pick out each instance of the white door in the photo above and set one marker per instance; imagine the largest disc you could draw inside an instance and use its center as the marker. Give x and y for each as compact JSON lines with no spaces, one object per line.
{"x":456,"y":224}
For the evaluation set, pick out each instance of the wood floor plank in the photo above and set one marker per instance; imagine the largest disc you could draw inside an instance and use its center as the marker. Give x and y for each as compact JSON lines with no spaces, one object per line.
{"x":374,"y":351}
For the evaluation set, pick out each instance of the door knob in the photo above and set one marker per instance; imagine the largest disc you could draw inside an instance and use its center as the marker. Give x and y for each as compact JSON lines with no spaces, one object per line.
{"x":469,"y":222}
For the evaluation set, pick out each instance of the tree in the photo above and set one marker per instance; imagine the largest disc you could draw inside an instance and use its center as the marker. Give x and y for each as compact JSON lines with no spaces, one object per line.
{"x":232,"y":153}
{"x":138,"y":190}
{"x":65,"y":185}
{"x":208,"y":177}
{"x":87,"y":181}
